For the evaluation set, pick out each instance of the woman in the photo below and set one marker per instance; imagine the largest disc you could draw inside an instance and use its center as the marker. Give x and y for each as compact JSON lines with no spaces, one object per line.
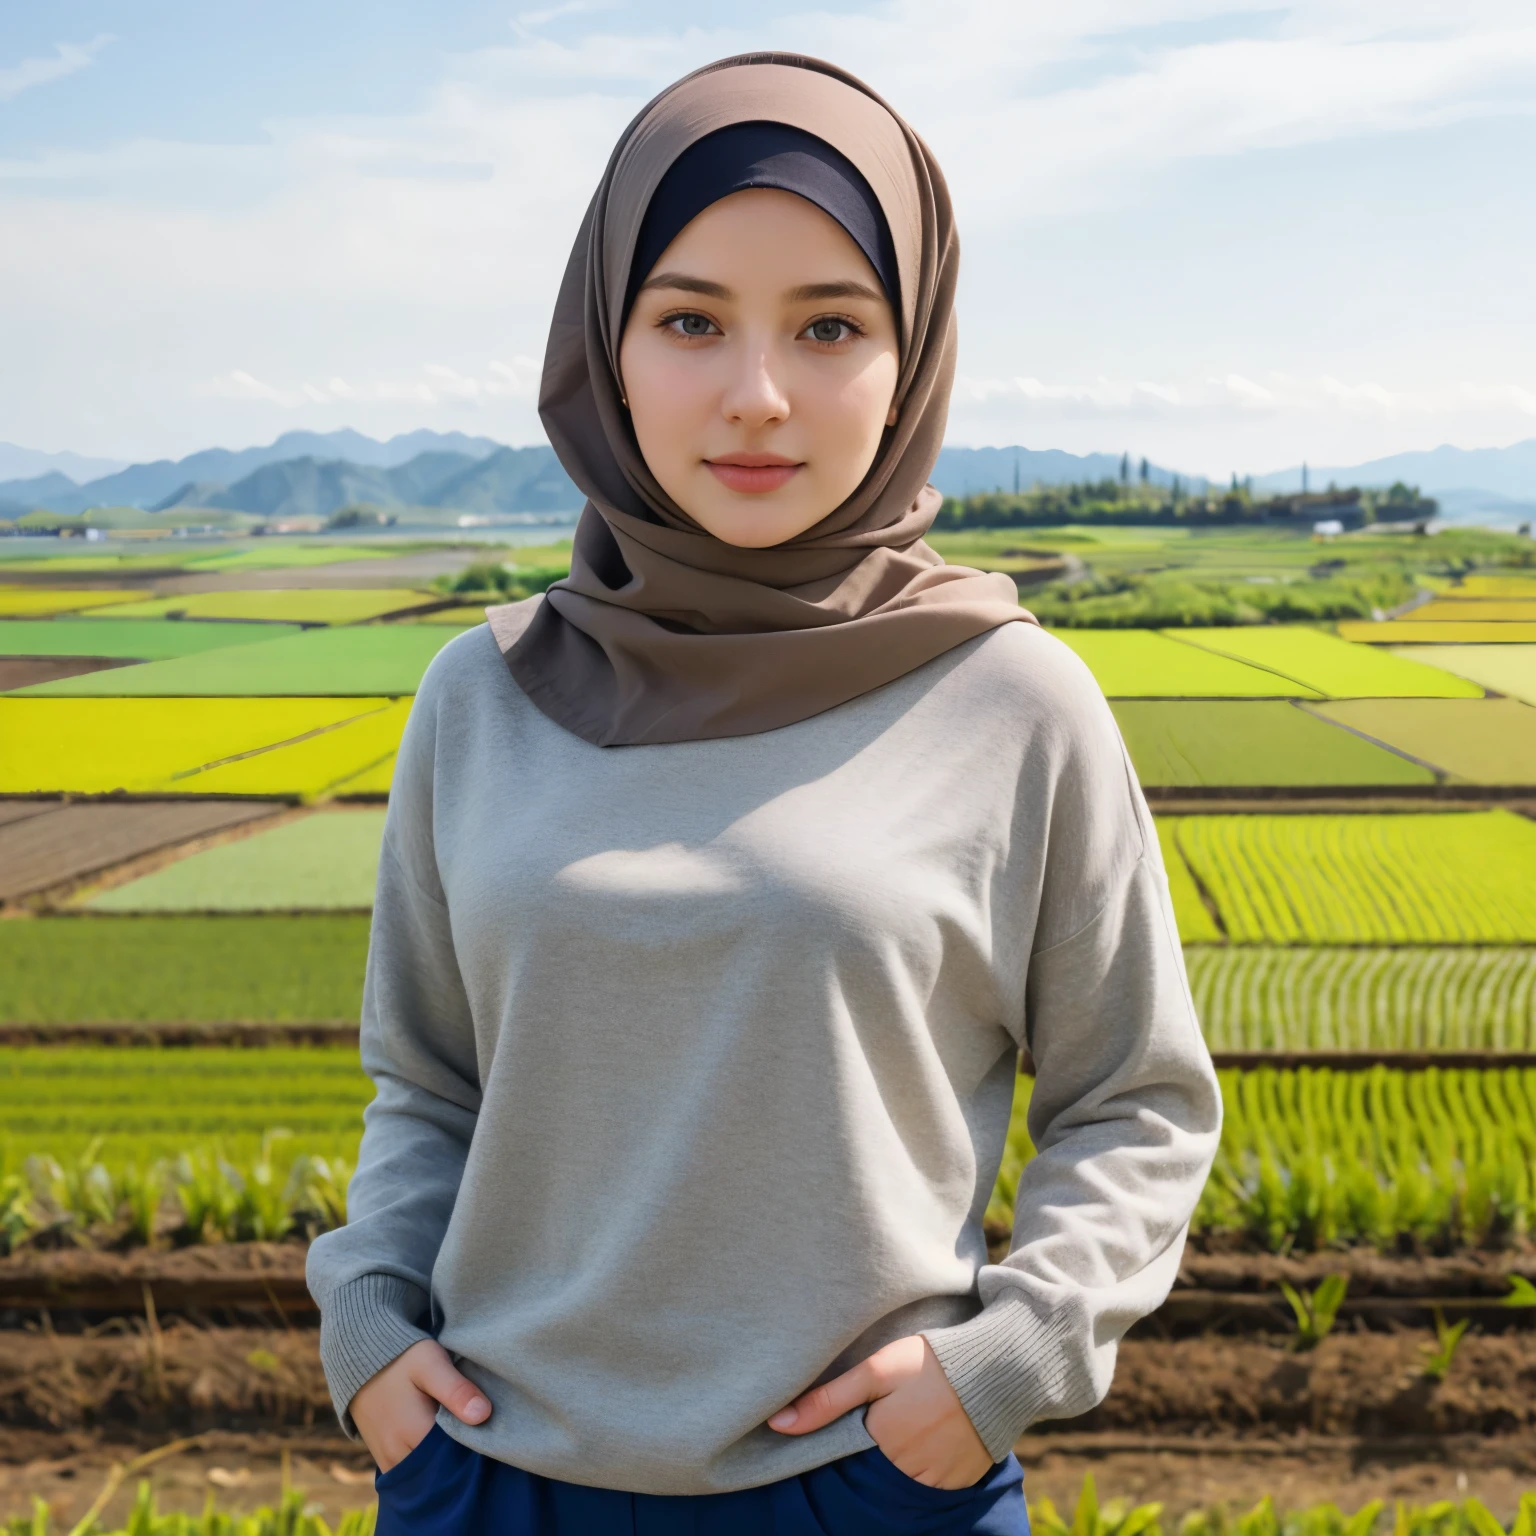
{"x":720,"y":889}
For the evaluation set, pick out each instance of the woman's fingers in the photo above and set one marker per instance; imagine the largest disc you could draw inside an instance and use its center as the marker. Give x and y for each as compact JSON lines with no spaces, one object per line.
{"x":434,"y":1373}
{"x":831,"y":1400}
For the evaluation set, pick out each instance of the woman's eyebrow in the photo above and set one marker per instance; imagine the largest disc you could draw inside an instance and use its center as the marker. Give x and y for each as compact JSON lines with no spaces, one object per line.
{"x":847,"y":289}
{"x":687,"y":284}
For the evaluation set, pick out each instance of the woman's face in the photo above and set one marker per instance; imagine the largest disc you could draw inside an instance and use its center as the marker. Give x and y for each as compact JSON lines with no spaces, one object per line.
{"x":760,"y":362}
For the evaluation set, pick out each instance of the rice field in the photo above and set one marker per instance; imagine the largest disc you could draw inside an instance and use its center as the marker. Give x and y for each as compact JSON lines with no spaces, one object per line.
{"x":1506,"y":669}
{"x":96,"y":746}
{"x":464,"y":615}
{"x":1495,"y":586}
{"x":1365,"y":999}
{"x":1412,"y":878}
{"x":1329,"y":666}
{"x":327,"y":860}
{"x":1455,"y":609}
{"x":35,"y":602}
{"x":308,"y":768}
{"x":303,"y":605}
{"x":361,"y":660}
{"x":1196,"y":925}
{"x":147,"y":1103}
{"x":372,"y":781}
{"x":1310,"y":1158}
{"x":1413,"y":631}
{"x":144,"y":639}
{"x":1141,"y":663}
{"x":181,"y":970}
{"x":1194,"y":743}
{"x":1473,"y":741}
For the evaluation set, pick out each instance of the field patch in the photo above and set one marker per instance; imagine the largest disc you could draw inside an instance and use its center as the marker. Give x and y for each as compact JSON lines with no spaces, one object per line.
{"x":1141,"y":663}
{"x":316,"y":765}
{"x":1253,"y":998}
{"x":138,"y":639}
{"x":34,"y":602}
{"x":297,"y":605}
{"x":54,"y":1097}
{"x":465,"y":616}
{"x":372,"y":781}
{"x":1414,"y":878}
{"x":66,"y":842}
{"x":1507,"y":669}
{"x":1331,"y":667}
{"x":264,"y":556}
{"x":325,"y":861}
{"x":1475,"y":741}
{"x":369,"y":659}
{"x":1197,"y":743}
{"x":1196,"y":925}
{"x":1495,"y":586}
{"x":1447,"y":632}
{"x":1500,"y":610}
{"x":97,"y":746}
{"x":150,"y":970}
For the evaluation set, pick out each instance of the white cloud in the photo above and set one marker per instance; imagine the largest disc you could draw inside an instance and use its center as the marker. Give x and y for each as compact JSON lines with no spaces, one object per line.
{"x":68,"y":59}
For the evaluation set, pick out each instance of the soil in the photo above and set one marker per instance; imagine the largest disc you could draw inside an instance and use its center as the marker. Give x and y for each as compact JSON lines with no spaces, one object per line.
{"x":23,"y":671}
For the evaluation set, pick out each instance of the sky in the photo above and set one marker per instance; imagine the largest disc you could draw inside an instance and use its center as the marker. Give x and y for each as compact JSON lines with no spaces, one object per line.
{"x":1230,"y":236}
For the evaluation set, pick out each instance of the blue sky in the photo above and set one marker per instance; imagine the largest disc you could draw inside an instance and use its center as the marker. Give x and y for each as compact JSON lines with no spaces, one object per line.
{"x":1227,"y":235}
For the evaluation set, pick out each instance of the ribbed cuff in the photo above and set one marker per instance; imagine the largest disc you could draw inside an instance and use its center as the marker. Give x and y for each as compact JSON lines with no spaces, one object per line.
{"x":1008,"y":1366}
{"x":363,"y":1326}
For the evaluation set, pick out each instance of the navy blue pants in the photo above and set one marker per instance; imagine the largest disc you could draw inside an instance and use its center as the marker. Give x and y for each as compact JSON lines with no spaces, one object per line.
{"x":445,"y":1489}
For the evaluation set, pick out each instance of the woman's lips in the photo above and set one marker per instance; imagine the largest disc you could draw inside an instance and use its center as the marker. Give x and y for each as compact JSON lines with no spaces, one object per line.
{"x":753,"y":472}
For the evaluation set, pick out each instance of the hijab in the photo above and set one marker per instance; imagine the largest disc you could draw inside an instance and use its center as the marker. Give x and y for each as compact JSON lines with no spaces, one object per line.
{"x":661,"y":632}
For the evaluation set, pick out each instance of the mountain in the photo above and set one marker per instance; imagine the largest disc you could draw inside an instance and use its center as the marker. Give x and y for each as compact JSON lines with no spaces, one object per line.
{"x":20,"y":463}
{"x":145,"y":485}
{"x":967,"y":471}
{"x":1507,"y":472}
{"x":508,"y":480}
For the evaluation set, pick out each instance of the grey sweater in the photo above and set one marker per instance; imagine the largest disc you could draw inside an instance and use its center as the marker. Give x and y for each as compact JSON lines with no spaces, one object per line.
{"x":694,"y":1065}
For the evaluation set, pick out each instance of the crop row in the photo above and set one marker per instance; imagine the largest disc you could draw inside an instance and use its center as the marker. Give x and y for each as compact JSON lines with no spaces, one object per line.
{"x":1253,"y":998}
{"x":1420,"y":878}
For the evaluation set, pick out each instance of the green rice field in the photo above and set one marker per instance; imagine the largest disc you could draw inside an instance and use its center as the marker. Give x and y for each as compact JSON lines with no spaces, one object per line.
{"x":146,"y":639}
{"x":138,"y":970}
{"x":1140,"y":663}
{"x":36,"y":602}
{"x":1412,"y":878}
{"x":1196,"y":924}
{"x":1474,"y":741}
{"x":302,"y":605}
{"x":326,"y":860}
{"x":148,"y":1103}
{"x":1450,"y":998}
{"x":1332,"y":667}
{"x":1506,"y":669}
{"x":372,"y":659}
{"x":1195,"y":742}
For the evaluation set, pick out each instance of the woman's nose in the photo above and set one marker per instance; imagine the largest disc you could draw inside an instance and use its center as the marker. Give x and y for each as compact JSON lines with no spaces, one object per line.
{"x":755,"y":393}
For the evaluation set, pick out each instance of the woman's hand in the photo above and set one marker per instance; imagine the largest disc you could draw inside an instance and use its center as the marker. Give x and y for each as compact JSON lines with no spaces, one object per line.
{"x":396,"y":1407}
{"x":914,"y":1416}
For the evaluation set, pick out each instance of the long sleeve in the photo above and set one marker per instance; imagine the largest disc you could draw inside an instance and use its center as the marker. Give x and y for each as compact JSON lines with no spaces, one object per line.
{"x":372,"y":1277}
{"x":1125,"y":1114}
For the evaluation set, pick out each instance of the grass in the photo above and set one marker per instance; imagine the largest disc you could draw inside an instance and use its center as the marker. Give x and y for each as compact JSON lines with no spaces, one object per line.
{"x":1412,"y":631}
{"x":1416,"y":878}
{"x":306,"y":605}
{"x":34,"y":602}
{"x":149,"y":1103}
{"x":348,"y":660}
{"x":147,"y":639}
{"x":1507,"y":669}
{"x":1474,"y":741}
{"x":1262,"y":744}
{"x":1196,"y":925}
{"x":1139,"y":663}
{"x":318,"y":765}
{"x":138,"y":970}
{"x":96,"y":746}
{"x":326,"y":860}
{"x":1365,"y":999}
{"x":1332,"y":667}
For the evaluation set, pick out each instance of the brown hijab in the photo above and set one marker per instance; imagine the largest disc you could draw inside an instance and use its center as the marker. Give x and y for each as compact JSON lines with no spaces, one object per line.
{"x":664,"y":633}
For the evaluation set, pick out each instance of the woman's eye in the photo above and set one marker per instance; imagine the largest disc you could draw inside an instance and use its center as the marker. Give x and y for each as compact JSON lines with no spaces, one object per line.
{"x":829,"y":330}
{"x":693,"y":325}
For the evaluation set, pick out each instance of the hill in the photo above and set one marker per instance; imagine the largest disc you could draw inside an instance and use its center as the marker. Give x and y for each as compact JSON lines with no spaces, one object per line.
{"x":967,"y":471}
{"x":1507,"y":472}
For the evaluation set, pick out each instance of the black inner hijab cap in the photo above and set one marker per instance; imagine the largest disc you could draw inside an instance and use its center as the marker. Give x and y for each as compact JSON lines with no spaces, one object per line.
{"x":764,"y":155}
